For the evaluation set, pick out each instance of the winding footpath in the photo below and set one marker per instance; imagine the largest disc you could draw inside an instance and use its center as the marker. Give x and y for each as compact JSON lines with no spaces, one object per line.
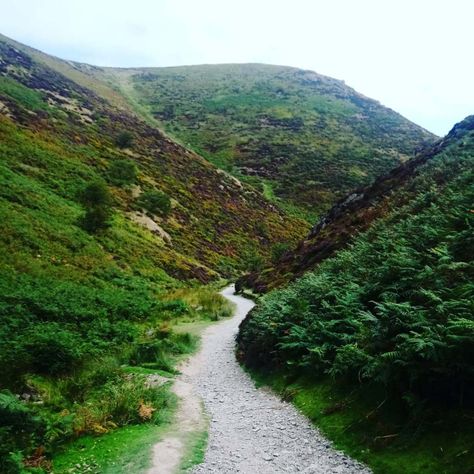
{"x":250,"y":430}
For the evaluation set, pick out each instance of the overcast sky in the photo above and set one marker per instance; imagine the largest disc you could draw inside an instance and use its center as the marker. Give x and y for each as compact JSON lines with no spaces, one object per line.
{"x":415,"y":56}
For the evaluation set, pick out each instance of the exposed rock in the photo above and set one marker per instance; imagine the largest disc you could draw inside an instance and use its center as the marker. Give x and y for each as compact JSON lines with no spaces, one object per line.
{"x":150,"y":224}
{"x":156,"y":380}
{"x":4,"y":110}
{"x":135,"y":190}
{"x":69,"y":104}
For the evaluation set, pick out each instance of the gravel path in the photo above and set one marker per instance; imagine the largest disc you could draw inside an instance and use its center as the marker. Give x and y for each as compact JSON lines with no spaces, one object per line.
{"x":251,"y":430}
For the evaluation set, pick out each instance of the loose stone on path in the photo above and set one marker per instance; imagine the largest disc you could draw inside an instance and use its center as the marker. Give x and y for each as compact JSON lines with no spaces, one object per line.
{"x":252,"y":430}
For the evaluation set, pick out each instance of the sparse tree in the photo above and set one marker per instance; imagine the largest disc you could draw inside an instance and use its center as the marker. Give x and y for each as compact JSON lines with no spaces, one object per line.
{"x":97,"y":201}
{"x":124,"y":139}
{"x":155,"y":202}
{"x":123,"y":172}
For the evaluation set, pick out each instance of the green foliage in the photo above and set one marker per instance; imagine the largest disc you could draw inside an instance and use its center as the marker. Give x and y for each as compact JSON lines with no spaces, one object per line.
{"x":49,"y":326}
{"x":107,"y":454}
{"x":123,"y":172}
{"x":396,"y":308}
{"x":75,"y":306}
{"x":278,"y":250}
{"x":254,"y":262}
{"x":28,"y":98}
{"x":64,"y":344}
{"x":96,"y":194}
{"x":124,"y":139}
{"x":201,"y":304}
{"x":309,"y":137}
{"x":196,"y":453}
{"x":361,"y":422}
{"x":43,"y":173}
{"x":159,"y":352}
{"x":122,"y":400}
{"x":20,"y":428}
{"x":155,"y":202}
{"x":97,"y":201}
{"x":53,"y":349}
{"x":98,"y":399}
{"x":96,"y":218}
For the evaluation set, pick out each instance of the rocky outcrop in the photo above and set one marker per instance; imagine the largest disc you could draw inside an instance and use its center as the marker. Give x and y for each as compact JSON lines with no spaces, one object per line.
{"x":148,"y":223}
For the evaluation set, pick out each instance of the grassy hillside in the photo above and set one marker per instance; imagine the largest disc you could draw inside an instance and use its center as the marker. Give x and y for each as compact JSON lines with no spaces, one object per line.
{"x":57,"y":135}
{"x":302,"y":137}
{"x":376,"y":343}
{"x":351,"y":215}
{"x":102,"y":217}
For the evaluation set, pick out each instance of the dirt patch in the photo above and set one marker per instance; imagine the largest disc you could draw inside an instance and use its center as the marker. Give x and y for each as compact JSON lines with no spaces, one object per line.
{"x":189,"y":421}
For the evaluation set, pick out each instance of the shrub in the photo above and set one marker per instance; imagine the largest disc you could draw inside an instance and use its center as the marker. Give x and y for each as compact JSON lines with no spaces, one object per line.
{"x":20,"y":429}
{"x":158,"y":353}
{"x":97,"y":201}
{"x":96,"y":218}
{"x":254,"y":262}
{"x":123,"y":400}
{"x":50,"y":325}
{"x":124,"y":139}
{"x":96,"y":194}
{"x":53,"y":349}
{"x":278,"y":250}
{"x":123,"y":172}
{"x":155,"y":202}
{"x":395,"y":309}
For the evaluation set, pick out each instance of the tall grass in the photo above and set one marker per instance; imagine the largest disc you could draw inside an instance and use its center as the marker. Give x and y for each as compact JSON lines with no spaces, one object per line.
{"x":203,"y":303}
{"x":89,"y":374}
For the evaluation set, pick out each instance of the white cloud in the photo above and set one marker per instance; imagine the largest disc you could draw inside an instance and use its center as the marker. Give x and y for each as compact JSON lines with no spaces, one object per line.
{"x":412,"y":55}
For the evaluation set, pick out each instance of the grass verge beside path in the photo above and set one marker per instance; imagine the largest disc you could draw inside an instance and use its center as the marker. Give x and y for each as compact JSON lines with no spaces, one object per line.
{"x":127,"y":449}
{"x":370,"y":429}
{"x":123,"y":451}
{"x":196,"y":451}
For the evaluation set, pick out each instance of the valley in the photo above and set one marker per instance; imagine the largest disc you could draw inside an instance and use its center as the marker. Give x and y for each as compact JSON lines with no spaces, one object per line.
{"x":130,"y":197}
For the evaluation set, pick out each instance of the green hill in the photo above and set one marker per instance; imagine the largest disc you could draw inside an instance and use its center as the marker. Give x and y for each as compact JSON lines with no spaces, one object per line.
{"x":352,"y":214}
{"x":299,"y":136}
{"x":386,"y":321}
{"x":58,"y":135}
{"x":103,"y":218}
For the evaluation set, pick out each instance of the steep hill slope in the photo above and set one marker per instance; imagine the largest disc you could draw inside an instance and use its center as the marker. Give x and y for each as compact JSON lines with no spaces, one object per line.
{"x":108,"y":228}
{"x":376,"y":343}
{"x":355,"y":213}
{"x":58,"y":135}
{"x":301,"y":136}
